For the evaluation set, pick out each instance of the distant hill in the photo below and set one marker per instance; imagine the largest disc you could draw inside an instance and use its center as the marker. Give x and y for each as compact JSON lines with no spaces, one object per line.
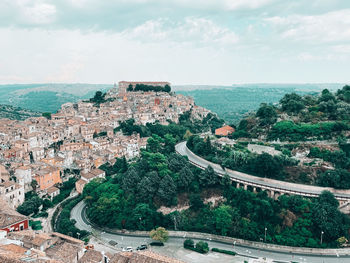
{"x":16,"y":113}
{"x":232,"y":103}
{"x":322,"y":116}
{"x":229,"y":102}
{"x":47,"y":97}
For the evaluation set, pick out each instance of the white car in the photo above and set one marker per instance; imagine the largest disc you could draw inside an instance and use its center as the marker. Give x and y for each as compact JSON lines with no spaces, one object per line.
{"x":127,"y":249}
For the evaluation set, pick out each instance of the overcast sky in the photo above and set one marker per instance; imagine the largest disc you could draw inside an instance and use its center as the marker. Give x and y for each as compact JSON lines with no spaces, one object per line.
{"x":182,"y":41}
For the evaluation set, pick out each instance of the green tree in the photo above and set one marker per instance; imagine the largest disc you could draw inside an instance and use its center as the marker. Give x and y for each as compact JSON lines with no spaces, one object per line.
{"x":327,"y":218}
{"x":47,"y":115}
{"x":148,"y":186}
{"x":202,"y":247}
{"x":34,"y":184}
{"x":208,"y":177}
{"x":159,"y":234}
{"x":265,"y":165}
{"x":185,"y":178}
{"x":188,"y":243}
{"x":167,"y":190}
{"x":223,"y":219}
{"x":30,"y":206}
{"x":143,"y":217}
{"x":196,"y":201}
{"x":292,"y":103}
{"x":267,"y":114}
{"x":130,"y":179}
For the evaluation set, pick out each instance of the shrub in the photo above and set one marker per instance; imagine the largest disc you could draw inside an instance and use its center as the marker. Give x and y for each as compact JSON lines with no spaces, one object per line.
{"x":188,"y":243}
{"x":228,"y":252}
{"x":36,"y":225}
{"x":160,"y":234}
{"x":202,"y":247}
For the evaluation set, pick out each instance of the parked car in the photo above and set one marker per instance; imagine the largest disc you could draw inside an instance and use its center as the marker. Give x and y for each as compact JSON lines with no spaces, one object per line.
{"x":142,"y":247}
{"x":127,"y":249}
{"x":113,"y":243}
{"x":157,"y":243}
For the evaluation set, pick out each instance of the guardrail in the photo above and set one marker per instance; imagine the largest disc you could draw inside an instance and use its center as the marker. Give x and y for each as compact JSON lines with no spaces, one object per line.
{"x":226,"y":240}
{"x":344,"y":198}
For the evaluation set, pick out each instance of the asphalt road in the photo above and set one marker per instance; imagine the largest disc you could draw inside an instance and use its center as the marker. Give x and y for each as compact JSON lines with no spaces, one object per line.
{"x":134,"y":241}
{"x":301,"y":189}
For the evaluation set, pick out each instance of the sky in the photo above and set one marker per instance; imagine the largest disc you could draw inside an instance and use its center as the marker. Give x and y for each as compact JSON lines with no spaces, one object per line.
{"x":212,"y":42}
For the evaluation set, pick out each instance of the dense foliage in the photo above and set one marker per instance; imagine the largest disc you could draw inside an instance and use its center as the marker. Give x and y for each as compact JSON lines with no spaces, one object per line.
{"x":132,"y":193}
{"x":290,"y":131}
{"x":300,"y":118}
{"x":144,"y":87}
{"x":210,"y":122}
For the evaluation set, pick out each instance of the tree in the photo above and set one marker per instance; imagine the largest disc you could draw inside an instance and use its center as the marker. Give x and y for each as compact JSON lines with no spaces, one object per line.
{"x":185,"y":178}
{"x":292,"y":103}
{"x":143,"y":217}
{"x":196,"y":201}
{"x":327,"y":218}
{"x":98,"y":98}
{"x":167,"y":88}
{"x":202,"y":247}
{"x":208,"y":177}
{"x":267,"y":114}
{"x":265,"y":165}
{"x":34,"y":184}
{"x":187,"y":135}
{"x":188,"y":243}
{"x":30,"y":206}
{"x":148,"y":186}
{"x":167,"y":190}
{"x":169,"y":143}
{"x":130,"y":179}
{"x":154,"y":144}
{"x":223,"y":219}
{"x":159,"y":234}
{"x":326,"y":96}
{"x":47,"y":115}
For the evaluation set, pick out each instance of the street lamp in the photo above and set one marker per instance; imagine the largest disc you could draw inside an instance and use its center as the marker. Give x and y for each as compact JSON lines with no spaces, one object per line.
{"x":234,"y":245}
{"x":265,"y":233}
{"x":321,"y":236}
{"x":78,"y":234}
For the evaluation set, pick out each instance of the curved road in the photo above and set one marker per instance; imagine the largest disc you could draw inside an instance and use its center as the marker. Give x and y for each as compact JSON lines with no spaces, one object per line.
{"x":78,"y":215}
{"x":264,"y":183}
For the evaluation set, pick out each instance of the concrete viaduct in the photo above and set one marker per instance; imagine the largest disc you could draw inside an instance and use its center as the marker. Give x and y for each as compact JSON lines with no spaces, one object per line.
{"x":274,"y":188}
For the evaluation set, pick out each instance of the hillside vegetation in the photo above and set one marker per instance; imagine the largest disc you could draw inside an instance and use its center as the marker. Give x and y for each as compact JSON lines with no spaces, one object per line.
{"x":16,"y":113}
{"x":233,"y":103}
{"x":300,"y":118}
{"x":136,"y":196}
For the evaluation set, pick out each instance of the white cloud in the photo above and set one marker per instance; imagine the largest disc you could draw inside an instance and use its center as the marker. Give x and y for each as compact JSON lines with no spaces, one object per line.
{"x":28,"y":12}
{"x":245,"y":4}
{"x":191,"y":30}
{"x":328,"y":27}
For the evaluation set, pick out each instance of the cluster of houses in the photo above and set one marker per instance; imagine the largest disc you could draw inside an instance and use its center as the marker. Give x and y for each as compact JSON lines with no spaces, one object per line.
{"x":80,"y":137}
{"x":40,"y":153}
{"x":30,"y":246}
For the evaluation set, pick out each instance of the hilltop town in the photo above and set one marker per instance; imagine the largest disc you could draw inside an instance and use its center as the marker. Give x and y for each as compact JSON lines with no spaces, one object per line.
{"x":80,"y":136}
{"x":41,"y":153}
